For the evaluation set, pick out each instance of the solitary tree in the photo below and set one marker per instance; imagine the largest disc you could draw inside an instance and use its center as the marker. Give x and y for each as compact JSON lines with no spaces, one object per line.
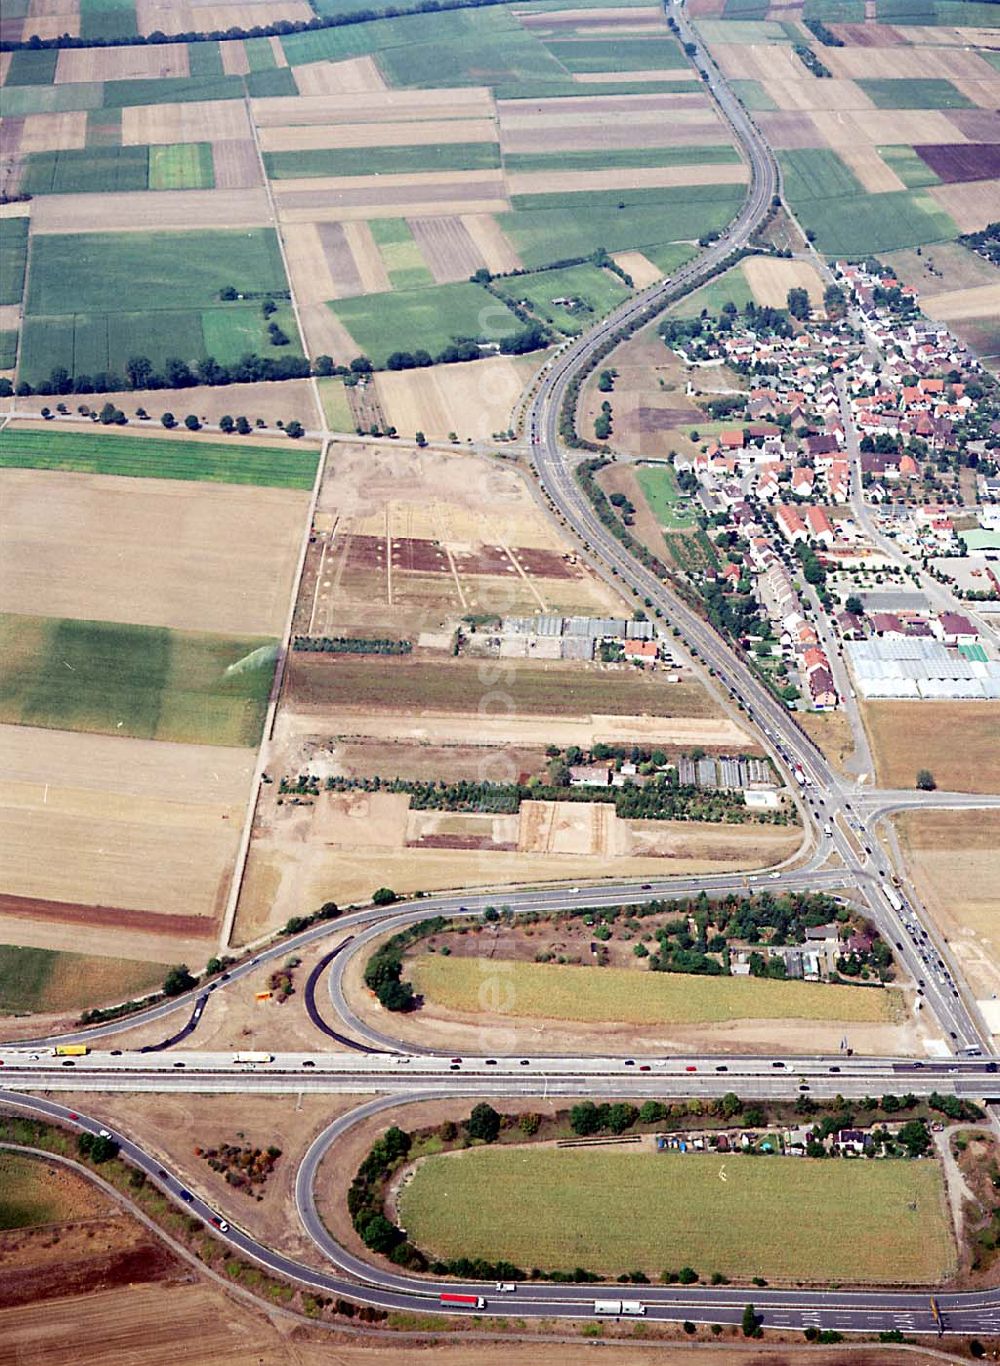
{"x":751,"y":1322}
{"x":925,"y":780}
{"x":483,"y":1123}
{"x":178,"y":980}
{"x":855,"y":605}
{"x":420,"y":439}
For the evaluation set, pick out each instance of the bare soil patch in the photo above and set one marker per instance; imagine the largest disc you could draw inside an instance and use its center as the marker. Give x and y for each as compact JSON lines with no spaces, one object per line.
{"x":626,"y":178}
{"x":806,"y":94}
{"x":235,"y":61}
{"x":789,"y":131}
{"x":968,"y":161}
{"x":69,"y":542}
{"x":871,"y":170}
{"x":369,"y":267}
{"x":148,"y":211}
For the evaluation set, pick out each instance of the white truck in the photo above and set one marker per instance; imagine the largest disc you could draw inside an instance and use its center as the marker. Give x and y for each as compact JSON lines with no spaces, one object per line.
{"x":619,"y":1307}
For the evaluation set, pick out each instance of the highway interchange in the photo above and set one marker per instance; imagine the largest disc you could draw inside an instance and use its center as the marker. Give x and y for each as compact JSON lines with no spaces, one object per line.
{"x":842,"y":859}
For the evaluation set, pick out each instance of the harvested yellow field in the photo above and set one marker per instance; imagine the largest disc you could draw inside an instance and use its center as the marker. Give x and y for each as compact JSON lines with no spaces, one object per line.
{"x":199,"y":121}
{"x":981,"y":301}
{"x":93,"y":821}
{"x":626,"y":178}
{"x":498,"y":252}
{"x":870,"y":169}
{"x":775,"y":62}
{"x":803,"y":95}
{"x":235,"y":61}
{"x":641,"y":269}
{"x":953,"y":858}
{"x":151,"y":61}
{"x":293,"y":398}
{"x":971,"y":205}
{"x":771,"y":279}
{"x":52,"y":26}
{"x":940,"y":63}
{"x":151,"y":211}
{"x":367,"y":259}
{"x":958,"y":741}
{"x":53,"y":132}
{"x":473,"y":399}
{"x":176,"y":16}
{"x":307,"y":264}
{"x":303,"y":136}
{"x":374,"y":106}
{"x":984,"y":93}
{"x":338,"y":78}
{"x":102,"y":548}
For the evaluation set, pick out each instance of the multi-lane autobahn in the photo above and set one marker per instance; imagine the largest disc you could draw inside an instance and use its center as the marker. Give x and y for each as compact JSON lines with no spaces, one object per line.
{"x":843,"y":859}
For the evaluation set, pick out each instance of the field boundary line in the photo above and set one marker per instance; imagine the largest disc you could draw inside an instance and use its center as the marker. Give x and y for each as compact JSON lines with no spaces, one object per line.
{"x":272,"y":205}
{"x":243,"y":853}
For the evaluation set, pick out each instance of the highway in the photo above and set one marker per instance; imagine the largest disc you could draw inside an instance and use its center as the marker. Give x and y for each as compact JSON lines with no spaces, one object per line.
{"x":838,"y":818}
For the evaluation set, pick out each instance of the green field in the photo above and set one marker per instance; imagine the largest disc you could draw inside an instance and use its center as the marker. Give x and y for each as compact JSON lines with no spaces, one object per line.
{"x":108,"y":19}
{"x":911,"y":168}
{"x":8,"y":349}
{"x":617,"y":54}
{"x":87,"y":170}
{"x":669,"y":256}
{"x":659,"y":485}
{"x":595,"y":291}
{"x":260,"y":54}
{"x":778,"y":1218}
{"x":632,"y":996}
{"x":620,"y":156}
{"x":205,"y":59}
{"x":50,"y":99}
{"x":745,"y":9}
{"x":546,"y":228}
{"x":949,"y":12}
{"x":31,"y":68}
{"x":173,"y":90}
{"x":741,"y":31}
{"x":754,"y":96}
{"x":97,"y":299}
{"x":28,"y":1197}
{"x":421,"y":319}
{"x":401,"y":256}
{"x":95,"y":452}
{"x":336,"y":407}
{"x":181,"y":166}
{"x":343,"y":161}
{"x":732,"y":287}
{"x":144,"y":681}
{"x":13,"y":254}
{"x":44,"y":980}
{"x":914,"y":93}
{"x":829,"y":200}
{"x":104,"y":128}
{"x":835,"y":11}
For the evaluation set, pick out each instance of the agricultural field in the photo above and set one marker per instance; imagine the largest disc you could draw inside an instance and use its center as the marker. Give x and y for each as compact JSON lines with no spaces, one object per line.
{"x":143,"y":681}
{"x":146,"y":551}
{"x":34,"y":1193}
{"x":43,"y":981}
{"x":898,"y":1231}
{"x":427,"y":319}
{"x":956,"y":286}
{"x":172,"y":814}
{"x":571,"y":299}
{"x":472,"y":399}
{"x":162,"y":457}
{"x":953,"y":862}
{"x":90,"y":322}
{"x":670,"y":508}
{"x":955,"y":740}
{"x":551,"y":991}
